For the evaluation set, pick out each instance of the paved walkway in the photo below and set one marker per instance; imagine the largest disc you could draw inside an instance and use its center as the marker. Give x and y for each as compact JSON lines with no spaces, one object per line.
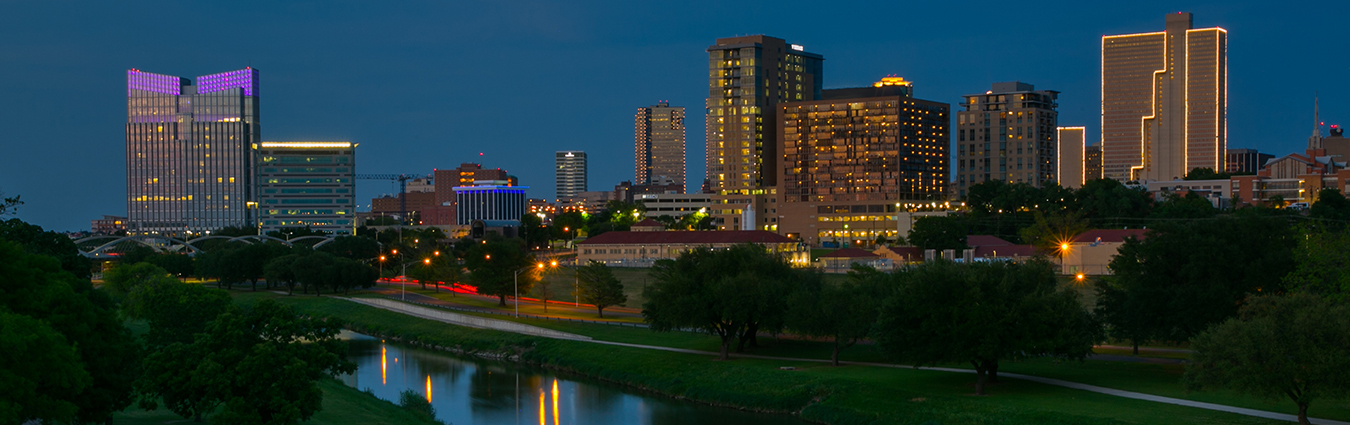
{"x":1048,"y":381}
{"x":388,"y":288}
{"x":464,"y":319}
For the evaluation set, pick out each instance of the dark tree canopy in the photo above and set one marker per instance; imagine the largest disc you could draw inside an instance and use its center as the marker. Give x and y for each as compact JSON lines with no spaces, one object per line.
{"x":844,"y":312}
{"x":38,"y":287}
{"x":982,"y":313}
{"x":1331,"y":205}
{"x":1191,"y":205}
{"x":732,"y":293}
{"x":1277,"y":347}
{"x":1185,"y":276}
{"x":38,"y":372}
{"x":493,"y":267}
{"x":1322,"y":263}
{"x":1206,"y":173}
{"x":48,"y":243}
{"x":352,"y":247}
{"x":599,"y":287}
{"x":261,"y":364}
{"x":939,"y":233}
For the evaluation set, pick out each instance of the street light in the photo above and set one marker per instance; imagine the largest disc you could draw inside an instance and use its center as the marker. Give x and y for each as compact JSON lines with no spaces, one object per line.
{"x":516,"y":281}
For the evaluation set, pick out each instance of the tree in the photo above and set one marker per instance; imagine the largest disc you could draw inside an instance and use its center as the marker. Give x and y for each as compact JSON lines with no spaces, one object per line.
{"x":314,"y":270}
{"x":599,"y":287}
{"x":1331,"y":205}
{"x":844,"y":312}
{"x":939,"y":233}
{"x":175,"y":311}
{"x":262,"y":364}
{"x":348,"y":274}
{"x":1190,"y":206}
{"x":1053,"y":230}
{"x":1279,"y":346}
{"x":1185,"y":276}
{"x":352,"y":247}
{"x":533,"y":230}
{"x":9,"y":206}
{"x":1322,"y":264}
{"x":38,"y":371}
{"x":37,"y":286}
{"x":1206,"y":173}
{"x":413,"y":402}
{"x":437,"y":268}
{"x":982,"y":313}
{"x":236,"y":231}
{"x":493,"y":265}
{"x":122,"y":279}
{"x":1102,"y":200}
{"x":733,"y":293}
{"x":281,"y":270}
{"x":48,"y":243}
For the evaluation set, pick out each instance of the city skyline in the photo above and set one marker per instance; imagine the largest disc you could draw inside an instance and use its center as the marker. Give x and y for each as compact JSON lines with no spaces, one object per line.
{"x":314,"y":95}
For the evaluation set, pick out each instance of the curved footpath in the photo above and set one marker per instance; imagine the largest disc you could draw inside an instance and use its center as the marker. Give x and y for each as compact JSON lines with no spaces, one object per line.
{"x":509,"y":326}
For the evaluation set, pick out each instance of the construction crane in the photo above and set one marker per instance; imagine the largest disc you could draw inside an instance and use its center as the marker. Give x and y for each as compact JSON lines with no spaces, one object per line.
{"x":402,"y":189}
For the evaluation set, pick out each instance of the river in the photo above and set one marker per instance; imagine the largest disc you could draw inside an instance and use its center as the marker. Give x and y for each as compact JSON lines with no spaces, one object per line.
{"x":472,"y":391}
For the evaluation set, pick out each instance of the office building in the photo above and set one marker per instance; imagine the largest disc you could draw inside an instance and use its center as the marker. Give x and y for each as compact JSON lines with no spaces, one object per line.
{"x":644,"y":248}
{"x":658,"y":152}
{"x":674,"y":204}
{"x":1071,"y":156}
{"x":570,"y":172}
{"x":1245,"y":161}
{"x":1337,"y":145}
{"x":489,"y":203}
{"x":1164,"y":101}
{"x":748,"y":77}
{"x":189,"y":152}
{"x":307,"y":184}
{"x":1092,"y":163}
{"x":440,"y":208}
{"x":850,"y":159}
{"x":1007,"y":133}
{"x":108,"y":225}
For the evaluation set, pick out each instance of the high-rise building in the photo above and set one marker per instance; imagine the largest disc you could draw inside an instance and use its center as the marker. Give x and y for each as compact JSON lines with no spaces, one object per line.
{"x":570,"y":172}
{"x":307,"y":184}
{"x":1164,"y":101}
{"x":1245,"y":161}
{"x":489,"y":203}
{"x":747,"y":78}
{"x":659,"y":144}
{"x":1007,"y":133}
{"x":190,"y":152}
{"x":1092,"y":163}
{"x":1071,"y":161}
{"x":850,"y":159}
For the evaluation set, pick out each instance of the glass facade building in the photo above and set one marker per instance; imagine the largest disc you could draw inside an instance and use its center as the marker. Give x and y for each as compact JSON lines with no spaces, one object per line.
{"x":658,"y":152}
{"x":489,"y":203}
{"x":189,"y":152}
{"x":747,"y":78}
{"x":569,"y":173}
{"x":307,"y":184}
{"x":1007,"y":133}
{"x":1164,"y":101}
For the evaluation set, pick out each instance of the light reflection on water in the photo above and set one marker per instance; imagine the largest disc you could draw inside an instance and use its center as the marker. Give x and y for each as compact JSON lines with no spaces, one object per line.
{"x":466,"y":392}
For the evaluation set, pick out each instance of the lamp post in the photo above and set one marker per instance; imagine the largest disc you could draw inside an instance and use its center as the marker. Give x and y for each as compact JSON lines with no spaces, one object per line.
{"x":1063,"y":250}
{"x":516,"y":284}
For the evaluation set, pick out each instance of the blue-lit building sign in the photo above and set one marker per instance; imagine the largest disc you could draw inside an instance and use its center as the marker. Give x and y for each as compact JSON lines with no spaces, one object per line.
{"x":489,"y":203}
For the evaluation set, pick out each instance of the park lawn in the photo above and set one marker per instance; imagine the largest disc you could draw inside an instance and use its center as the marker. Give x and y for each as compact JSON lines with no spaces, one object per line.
{"x":850,"y":394}
{"x":565,"y":311}
{"x":1143,"y":353}
{"x":341,"y":405}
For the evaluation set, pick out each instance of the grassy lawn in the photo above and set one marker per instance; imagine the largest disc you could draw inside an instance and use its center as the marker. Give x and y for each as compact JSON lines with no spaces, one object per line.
{"x":341,"y":405}
{"x":850,"y":394}
{"x":567,"y":311}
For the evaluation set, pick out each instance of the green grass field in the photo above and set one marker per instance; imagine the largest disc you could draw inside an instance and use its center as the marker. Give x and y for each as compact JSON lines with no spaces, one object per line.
{"x":849,"y":394}
{"x":341,"y":405}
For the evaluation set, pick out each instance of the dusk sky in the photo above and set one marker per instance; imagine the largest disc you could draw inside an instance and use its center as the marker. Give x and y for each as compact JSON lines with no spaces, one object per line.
{"x":424,"y":86}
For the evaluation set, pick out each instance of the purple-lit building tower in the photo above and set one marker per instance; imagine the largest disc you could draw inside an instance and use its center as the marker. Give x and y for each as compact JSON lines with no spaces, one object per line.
{"x":190,"y":152}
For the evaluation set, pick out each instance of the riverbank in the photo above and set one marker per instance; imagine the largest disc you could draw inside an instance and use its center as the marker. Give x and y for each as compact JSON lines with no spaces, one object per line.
{"x":342,"y":405}
{"x":815,"y":392}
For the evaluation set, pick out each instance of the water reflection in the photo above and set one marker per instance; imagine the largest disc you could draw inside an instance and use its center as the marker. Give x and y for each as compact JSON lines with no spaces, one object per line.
{"x":467,"y":392}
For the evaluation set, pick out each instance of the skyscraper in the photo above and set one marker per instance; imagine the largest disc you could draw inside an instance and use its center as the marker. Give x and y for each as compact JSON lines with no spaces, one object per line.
{"x":1164,"y":101}
{"x":850,"y":159}
{"x":747,"y":77}
{"x":189,"y":152}
{"x":1092,"y":163}
{"x":1006,"y":133}
{"x":307,"y":184}
{"x":570,"y":173}
{"x":658,"y":150}
{"x":1071,"y":161}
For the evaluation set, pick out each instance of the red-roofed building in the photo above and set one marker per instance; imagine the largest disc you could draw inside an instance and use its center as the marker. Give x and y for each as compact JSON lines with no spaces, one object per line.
{"x":648,"y":225}
{"x":1090,"y":252}
{"x":974,"y":241}
{"x":841,"y":260}
{"x":642,"y":249}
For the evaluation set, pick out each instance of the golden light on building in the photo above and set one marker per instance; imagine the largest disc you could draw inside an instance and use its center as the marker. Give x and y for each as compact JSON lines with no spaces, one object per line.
{"x":892,"y":81}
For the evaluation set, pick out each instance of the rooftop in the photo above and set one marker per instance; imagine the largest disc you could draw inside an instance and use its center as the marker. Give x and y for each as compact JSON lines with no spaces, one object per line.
{"x":849,"y":253}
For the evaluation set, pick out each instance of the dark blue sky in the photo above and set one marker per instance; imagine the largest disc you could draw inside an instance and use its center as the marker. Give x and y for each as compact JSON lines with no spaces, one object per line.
{"x":422,"y":86}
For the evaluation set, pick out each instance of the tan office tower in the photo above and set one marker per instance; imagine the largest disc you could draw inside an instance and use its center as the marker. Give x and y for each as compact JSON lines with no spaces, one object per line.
{"x":1071,"y":152}
{"x":1006,"y":133}
{"x":659,"y":144}
{"x":747,"y":78}
{"x":1164,"y":101}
